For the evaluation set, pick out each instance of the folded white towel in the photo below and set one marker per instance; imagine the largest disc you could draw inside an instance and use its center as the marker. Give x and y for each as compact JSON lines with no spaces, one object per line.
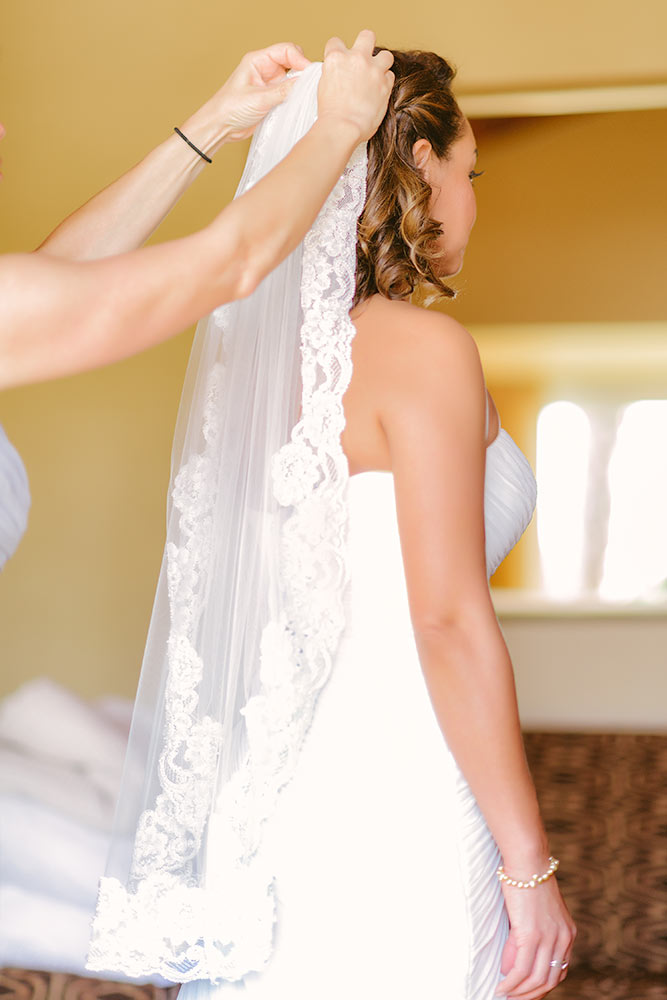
{"x":47,"y":720}
{"x":63,"y":787}
{"x":60,"y":764}
{"x":45,"y":852}
{"x":117,"y":711}
{"x":37,"y":932}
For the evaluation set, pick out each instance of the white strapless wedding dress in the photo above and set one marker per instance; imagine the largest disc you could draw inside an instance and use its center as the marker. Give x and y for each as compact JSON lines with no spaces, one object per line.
{"x":385,"y":868}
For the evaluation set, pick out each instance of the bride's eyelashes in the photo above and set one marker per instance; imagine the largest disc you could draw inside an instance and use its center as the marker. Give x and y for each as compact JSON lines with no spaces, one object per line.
{"x":474,"y":174}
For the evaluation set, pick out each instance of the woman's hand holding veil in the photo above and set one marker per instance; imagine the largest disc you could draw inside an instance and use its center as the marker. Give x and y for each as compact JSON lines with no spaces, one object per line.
{"x":355,"y":84}
{"x":125,"y":214}
{"x":355,"y":88}
{"x":257,"y":85}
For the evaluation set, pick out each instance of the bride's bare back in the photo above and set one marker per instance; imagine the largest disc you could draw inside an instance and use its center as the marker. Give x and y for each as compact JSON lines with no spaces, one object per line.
{"x":385,"y":331}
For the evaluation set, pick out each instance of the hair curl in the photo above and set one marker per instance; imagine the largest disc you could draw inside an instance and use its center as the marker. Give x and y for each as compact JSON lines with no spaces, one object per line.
{"x":396,"y":237}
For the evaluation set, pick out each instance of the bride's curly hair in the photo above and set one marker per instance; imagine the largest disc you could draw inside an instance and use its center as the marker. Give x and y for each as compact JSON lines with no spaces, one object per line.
{"x":396,"y":237}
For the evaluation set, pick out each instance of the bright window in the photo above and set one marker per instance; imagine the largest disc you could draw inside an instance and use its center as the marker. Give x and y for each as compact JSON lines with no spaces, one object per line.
{"x":635,"y":563}
{"x":563,"y":446}
{"x":602,"y":499}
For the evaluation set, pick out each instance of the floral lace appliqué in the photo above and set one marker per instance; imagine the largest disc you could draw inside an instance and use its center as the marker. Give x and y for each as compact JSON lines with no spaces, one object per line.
{"x":224,"y":928}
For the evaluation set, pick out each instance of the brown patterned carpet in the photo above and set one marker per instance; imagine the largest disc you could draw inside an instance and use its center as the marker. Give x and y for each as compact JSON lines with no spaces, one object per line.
{"x":597,"y":986}
{"x":604,"y":801}
{"x":18,"y":984}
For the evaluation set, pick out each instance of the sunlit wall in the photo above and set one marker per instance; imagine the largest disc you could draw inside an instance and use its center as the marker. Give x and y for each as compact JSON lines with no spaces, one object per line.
{"x":86,"y":89}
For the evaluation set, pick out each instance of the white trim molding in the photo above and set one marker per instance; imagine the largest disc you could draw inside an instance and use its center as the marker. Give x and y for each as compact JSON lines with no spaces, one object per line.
{"x":566,"y":101}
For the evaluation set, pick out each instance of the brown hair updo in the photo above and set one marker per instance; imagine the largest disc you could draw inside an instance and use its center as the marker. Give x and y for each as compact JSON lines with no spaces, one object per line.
{"x":396,"y":249}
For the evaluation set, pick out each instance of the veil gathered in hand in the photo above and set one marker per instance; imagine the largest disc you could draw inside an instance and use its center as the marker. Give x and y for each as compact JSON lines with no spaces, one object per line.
{"x":249,"y":605}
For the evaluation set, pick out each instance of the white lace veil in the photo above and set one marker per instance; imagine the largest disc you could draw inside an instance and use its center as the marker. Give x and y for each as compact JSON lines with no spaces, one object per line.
{"x":249,"y":605}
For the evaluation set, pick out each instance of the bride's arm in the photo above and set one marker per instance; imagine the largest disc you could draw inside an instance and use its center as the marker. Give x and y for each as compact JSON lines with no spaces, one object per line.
{"x":127,"y":212}
{"x":434,"y":419}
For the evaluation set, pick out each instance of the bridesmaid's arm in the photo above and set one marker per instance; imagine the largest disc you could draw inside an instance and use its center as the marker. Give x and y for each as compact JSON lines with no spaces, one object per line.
{"x":434,"y":419}
{"x":58,"y":317}
{"x":127,"y":212}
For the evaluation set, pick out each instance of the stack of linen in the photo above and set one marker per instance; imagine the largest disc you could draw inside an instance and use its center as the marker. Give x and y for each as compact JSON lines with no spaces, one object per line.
{"x":60,"y":767}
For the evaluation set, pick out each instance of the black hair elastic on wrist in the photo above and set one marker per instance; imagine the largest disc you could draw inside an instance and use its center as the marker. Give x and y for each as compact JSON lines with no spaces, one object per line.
{"x":203,"y":155}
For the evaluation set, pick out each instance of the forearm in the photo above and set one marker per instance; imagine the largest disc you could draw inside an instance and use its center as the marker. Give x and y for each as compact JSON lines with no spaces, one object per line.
{"x":276,"y":213}
{"x":127,"y":212}
{"x":59,"y":317}
{"x":471,"y":684}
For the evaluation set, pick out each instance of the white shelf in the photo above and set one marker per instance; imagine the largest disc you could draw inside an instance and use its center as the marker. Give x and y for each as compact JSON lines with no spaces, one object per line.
{"x":564,"y":101}
{"x":515,"y":603}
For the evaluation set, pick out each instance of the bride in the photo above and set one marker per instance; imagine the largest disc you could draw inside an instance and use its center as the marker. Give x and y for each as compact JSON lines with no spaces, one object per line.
{"x":326,"y":793}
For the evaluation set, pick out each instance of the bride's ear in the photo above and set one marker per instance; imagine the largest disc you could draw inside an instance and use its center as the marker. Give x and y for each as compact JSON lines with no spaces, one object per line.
{"x":421,"y":153}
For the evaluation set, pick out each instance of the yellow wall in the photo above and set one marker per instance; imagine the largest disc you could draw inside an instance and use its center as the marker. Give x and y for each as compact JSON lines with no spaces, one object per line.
{"x":86,"y":88}
{"x":589,"y":671}
{"x":571,"y":220}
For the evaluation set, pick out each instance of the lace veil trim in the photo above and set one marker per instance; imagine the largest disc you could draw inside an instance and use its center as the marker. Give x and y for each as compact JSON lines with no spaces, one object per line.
{"x":221,"y":926}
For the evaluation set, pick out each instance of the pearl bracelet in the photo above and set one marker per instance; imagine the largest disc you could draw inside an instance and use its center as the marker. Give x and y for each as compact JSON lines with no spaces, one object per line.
{"x":531,"y":882}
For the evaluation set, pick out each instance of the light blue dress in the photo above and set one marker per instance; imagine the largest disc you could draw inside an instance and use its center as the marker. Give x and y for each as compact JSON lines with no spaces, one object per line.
{"x":14,"y":498}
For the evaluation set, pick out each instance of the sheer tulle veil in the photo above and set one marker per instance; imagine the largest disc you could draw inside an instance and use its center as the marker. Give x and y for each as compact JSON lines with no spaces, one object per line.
{"x":249,"y":605}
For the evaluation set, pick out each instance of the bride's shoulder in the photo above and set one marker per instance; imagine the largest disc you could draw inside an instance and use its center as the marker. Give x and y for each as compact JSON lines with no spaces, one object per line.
{"x":417,"y":340}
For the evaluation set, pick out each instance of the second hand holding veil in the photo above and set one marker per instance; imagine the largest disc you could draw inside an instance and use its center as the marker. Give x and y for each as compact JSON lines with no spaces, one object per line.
{"x":249,"y":606}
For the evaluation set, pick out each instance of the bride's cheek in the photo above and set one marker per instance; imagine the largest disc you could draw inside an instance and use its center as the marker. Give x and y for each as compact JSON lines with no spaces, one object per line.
{"x":472,"y":207}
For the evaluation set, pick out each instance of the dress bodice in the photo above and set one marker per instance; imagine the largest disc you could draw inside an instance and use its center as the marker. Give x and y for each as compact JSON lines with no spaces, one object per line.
{"x":510,"y":493}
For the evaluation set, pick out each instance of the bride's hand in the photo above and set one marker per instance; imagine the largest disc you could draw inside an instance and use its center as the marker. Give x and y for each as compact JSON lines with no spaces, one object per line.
{"x":541,"y":932}
{"x":257,"y":84}
{"x":355,"y":84}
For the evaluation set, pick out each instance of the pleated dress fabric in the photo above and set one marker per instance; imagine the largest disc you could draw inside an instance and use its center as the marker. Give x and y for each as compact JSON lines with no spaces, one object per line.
{"x":384,"y":865}
{"x":14,"y":498}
